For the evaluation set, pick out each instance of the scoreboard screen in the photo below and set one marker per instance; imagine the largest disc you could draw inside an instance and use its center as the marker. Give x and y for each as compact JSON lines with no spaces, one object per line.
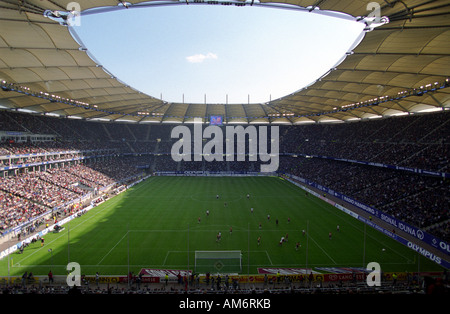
{"x":216,"y":120}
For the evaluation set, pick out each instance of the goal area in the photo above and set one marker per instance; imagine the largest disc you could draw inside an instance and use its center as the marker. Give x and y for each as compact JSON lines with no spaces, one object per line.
{"x":218,"y":261}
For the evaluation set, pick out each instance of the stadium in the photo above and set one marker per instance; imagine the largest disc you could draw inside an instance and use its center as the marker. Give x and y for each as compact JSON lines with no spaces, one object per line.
{"x":339,"y":187}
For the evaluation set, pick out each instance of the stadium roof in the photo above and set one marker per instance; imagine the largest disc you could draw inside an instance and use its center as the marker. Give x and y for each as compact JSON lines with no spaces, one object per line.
{"x":399,"y":67}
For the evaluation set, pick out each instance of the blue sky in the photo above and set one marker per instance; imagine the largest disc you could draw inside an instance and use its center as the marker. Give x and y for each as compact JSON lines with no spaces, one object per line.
{"x":227,"y":53}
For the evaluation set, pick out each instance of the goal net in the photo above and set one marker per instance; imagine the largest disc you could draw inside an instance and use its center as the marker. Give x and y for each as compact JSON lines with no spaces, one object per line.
{"x":218,"y":261}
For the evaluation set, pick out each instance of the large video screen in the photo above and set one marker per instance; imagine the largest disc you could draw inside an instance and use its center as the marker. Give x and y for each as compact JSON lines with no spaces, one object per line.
{"x":216,"y":120}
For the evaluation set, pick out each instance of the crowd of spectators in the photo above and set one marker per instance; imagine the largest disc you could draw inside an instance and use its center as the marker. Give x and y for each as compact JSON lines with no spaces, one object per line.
{"x":421,"y":141}
{"x":418,"y":141}
{"x":30,"y":194}
{"x":422,"y":201}
{"x":271,"y":290}
{"x":31,"y":187}
{"x":15,"y":210}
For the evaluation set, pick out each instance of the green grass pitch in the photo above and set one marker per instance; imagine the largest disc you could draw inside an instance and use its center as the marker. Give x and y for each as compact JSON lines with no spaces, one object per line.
{"x":155,"y":224}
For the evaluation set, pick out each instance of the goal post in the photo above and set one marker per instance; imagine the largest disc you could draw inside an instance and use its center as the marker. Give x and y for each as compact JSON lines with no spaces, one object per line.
{"x":218,"y":261}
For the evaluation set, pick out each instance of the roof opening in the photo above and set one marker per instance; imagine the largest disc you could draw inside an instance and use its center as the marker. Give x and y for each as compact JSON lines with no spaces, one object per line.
{"x":217,"y":54}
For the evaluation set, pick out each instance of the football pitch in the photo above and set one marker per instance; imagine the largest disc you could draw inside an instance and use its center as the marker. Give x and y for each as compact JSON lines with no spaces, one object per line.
{"x":160,"y":224}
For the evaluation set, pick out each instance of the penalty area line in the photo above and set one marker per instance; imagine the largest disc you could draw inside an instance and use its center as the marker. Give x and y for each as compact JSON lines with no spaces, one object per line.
{"x":126,"y":233}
